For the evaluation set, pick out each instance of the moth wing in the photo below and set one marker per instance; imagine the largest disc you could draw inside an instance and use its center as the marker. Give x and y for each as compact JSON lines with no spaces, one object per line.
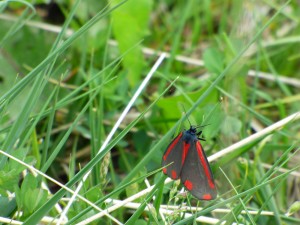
{"x":196,"y":174}
{"x":173,"y":156}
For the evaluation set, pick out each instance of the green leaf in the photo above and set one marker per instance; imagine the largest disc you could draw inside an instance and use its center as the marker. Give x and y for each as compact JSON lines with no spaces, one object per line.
{"x":34,"y":199}
{"x":8,"y":205}
{"x":130,"y":25}
{"x":213,"y":60}
{"x":30,"y":197}
{"x":7,"y":180}
{"x":231,"y":126}
{"x":10,"y":174}
{"x":295,"y":207}
{"x":172,"y":110}
{"x":29,"y":182}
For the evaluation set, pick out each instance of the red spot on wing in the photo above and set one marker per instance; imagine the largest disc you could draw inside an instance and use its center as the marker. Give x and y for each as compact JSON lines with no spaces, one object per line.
{"x":188,"y":184}
{"x":206,"y":197}
{"x":186,"y":147}
{"x":205,"y":166}
{"x":171,"y":146}
{"x":174,"y":175}
{"x":164,"y":170}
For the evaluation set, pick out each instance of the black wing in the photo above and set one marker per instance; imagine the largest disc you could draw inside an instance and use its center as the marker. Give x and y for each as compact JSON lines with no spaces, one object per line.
{"x":196,"y":174}
{"x":173,"y":154}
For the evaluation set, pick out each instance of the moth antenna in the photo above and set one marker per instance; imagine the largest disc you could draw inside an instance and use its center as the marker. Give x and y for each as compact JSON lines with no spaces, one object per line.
{"x":202,"y":125}
{"x":186,"y":114}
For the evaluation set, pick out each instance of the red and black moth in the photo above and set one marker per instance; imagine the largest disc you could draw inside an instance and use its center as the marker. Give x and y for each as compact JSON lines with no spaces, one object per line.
{"x":185,"y":159}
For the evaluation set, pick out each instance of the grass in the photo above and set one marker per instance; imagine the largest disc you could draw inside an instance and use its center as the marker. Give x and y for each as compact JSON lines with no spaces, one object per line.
{"x":84,"y":123}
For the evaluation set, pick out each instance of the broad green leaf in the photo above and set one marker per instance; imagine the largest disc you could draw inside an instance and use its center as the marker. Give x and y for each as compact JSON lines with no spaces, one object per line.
{"x":8,"y":205}
{"x":231,"y":126}
{"x":130,"y":25}
{"x":214,"y":60}
{"x":172,"y":106}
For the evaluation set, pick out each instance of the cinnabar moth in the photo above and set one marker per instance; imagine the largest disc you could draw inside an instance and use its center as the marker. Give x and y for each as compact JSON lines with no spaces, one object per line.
{"x":188,"y":163}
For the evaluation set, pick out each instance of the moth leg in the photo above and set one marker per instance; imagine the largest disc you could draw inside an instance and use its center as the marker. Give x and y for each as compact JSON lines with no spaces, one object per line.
{"x":200,"y":138}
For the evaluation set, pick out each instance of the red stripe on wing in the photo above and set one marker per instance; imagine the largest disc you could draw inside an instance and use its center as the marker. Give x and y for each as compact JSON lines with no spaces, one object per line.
{"x":172,"y":145}
{"x":186,"y":147}
{"x":205,"y":165}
